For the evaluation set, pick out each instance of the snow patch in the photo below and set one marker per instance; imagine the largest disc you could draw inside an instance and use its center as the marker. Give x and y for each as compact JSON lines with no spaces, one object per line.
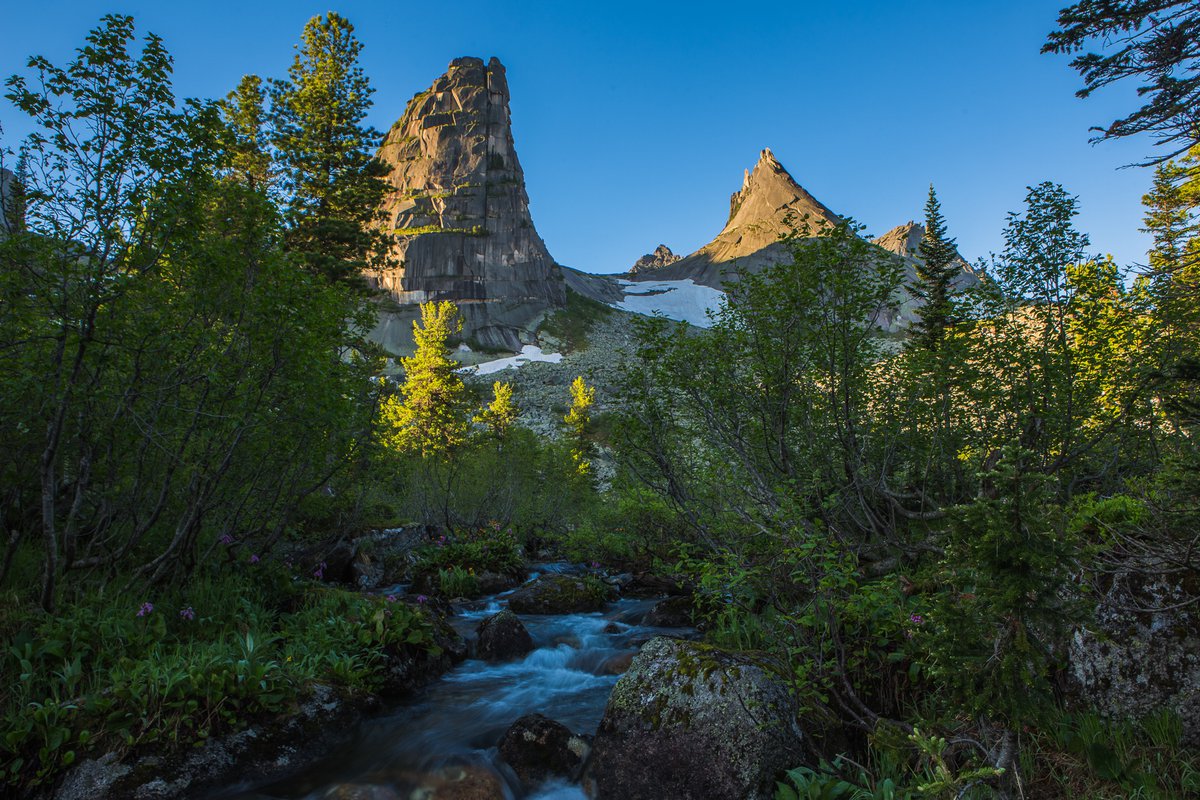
{"x":682,"y":300}
{"x":530,"y":352}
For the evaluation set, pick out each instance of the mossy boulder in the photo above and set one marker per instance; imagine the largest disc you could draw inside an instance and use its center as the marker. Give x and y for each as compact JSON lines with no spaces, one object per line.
{"x":502,"y":637}
{"x":561,"y":594}
{"x":693,"y":721}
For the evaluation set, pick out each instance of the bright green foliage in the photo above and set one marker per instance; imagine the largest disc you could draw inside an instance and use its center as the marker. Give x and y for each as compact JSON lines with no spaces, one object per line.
{"x":583,"y":397}
{"x":325,"y":153}
{"x":426,"y":416}
{"x":935,"y":278}
{"x":500,"y":414}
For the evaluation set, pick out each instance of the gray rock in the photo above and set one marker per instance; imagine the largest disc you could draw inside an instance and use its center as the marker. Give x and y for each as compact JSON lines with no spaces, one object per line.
{"x":690,"y":721}
{"x":1133,"y":663}
{"x":460,"y":211}
{"x":502,"y":637}
{"x":661,"y":257}
{"x":537,"y":748}
{"x":92,"y":778}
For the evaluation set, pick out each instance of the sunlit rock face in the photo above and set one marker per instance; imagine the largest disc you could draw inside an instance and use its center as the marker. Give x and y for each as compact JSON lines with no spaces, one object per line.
{"x":769,"y":204}
{"x":460,"y":211}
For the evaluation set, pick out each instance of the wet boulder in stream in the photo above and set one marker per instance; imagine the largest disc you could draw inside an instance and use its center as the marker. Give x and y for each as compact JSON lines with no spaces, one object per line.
{"x":561,"y":594}
{"x":693,"y":721}
{"x":538,"y":748}
{"x":502,"y":637}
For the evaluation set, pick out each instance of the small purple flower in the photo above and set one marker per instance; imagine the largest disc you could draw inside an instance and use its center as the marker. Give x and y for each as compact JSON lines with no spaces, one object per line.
{"x":254,"y":558}
{"x":319,"y":572}
{"x":916,"y":619}
{"x":595,"y":565}
{"x":226,"y":540}
{"x":422,"y":599}
{"x":187,"y":614}
{"x":391,"y":598}
{"x":145,"y":609}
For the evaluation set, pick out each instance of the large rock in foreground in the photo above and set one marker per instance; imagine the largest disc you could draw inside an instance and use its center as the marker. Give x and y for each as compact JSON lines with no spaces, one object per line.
{"x":690,"y":721}
{"x":537,"y":748}
{"x":1131,"y":663}
{"x":560,"y":594}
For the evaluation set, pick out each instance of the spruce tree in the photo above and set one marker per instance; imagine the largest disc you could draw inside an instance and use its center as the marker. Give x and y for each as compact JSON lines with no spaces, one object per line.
{"x":244,"y":113}
{"x":332,"y":180}
{"x":935,"y":278}
{"x":428,"y":416}
{"x":501,"y":414}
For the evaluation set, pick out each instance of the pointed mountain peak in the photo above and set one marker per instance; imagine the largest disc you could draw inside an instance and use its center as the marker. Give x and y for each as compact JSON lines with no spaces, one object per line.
{"x":770,"y":195}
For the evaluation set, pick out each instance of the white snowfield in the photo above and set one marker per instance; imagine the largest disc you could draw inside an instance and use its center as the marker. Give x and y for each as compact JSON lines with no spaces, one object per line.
{"x":530,"y":352}
{"x":683,"y":300}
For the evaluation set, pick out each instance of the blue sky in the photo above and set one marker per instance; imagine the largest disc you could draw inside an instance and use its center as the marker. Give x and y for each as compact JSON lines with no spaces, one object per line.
{"x":634,"y":121}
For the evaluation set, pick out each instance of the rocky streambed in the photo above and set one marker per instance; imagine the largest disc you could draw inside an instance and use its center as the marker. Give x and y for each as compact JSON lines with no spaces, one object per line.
{"x":567,"y":691}
{"x":532,"y":713}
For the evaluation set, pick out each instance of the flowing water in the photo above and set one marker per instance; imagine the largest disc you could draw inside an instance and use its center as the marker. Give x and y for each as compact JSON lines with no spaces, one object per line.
{"x":447,"y":734}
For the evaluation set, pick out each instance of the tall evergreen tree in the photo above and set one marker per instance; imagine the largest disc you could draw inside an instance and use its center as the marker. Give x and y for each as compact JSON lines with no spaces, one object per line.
{"x":935,"y":277}
{"x":244,"y":113}
{"x":332,"y":180}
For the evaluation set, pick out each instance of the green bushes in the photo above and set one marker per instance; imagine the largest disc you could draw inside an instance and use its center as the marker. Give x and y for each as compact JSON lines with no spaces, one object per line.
{"x":185,"y":664}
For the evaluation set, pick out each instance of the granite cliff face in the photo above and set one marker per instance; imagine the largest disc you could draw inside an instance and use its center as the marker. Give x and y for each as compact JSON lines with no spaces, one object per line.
{"x":460,"y":212}
{"x":769,"y":204}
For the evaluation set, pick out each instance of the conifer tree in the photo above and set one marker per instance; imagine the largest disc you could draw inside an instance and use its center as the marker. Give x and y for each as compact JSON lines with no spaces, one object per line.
{"x":500,"y":414}
{"x":427,"y":418}
{"x":583,"y":397}
{"x":332,"y":180}
{"x":935,"y":277}
{"x":245,"y":118}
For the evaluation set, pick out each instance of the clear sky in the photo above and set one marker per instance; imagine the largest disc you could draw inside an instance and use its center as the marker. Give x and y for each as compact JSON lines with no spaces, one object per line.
{"x":634,"y":121}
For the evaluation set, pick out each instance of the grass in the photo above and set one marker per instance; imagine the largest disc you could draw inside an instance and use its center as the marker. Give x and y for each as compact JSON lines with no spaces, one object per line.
{"x":572,"y":324}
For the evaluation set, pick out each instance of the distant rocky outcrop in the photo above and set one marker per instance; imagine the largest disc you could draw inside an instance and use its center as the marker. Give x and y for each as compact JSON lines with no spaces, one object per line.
{"x":460,"y":212}
{"x":769,"y":204}
{"x":661,"y":257}
{"x":905,"y":241}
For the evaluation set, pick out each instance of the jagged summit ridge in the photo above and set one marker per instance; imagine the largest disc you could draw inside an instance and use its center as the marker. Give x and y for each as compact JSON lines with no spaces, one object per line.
{"x":661,"y":257}
{"x":770,"y":204}
{"x":459,"y":208}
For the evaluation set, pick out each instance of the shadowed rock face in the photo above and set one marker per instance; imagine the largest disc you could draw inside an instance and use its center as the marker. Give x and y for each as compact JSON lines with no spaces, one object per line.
{"x":768,"y":204}
{"x":460,"y":211}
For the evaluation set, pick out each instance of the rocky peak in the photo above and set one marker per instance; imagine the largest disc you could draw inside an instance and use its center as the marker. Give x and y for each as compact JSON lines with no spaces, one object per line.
{"x":459,"y":209}
{"x":903,"y":240}
{"x":769,"y":205}
{"x":661,"y":257}
{"x":770,"y":195}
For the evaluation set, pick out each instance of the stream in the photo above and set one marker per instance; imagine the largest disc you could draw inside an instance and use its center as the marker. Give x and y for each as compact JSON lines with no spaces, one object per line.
{"x":447,"y":732}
